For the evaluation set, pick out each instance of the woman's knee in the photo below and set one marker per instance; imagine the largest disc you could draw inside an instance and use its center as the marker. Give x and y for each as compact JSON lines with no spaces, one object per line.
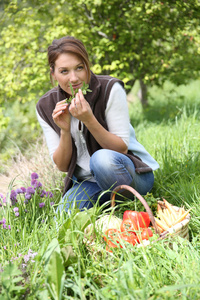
{"x":101,"y":160}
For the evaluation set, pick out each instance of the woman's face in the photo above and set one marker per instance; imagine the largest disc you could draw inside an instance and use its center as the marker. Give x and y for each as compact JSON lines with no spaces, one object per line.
{"x":69,"y":69}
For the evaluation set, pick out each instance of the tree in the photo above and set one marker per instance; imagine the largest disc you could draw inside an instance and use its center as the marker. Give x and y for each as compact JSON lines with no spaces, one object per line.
{"x":134,"y":39}
{"x":144,"y":40}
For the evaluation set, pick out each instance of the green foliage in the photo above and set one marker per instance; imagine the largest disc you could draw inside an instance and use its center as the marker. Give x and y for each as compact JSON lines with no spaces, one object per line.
{"x":21,"y":128}
{"x":55,"y":274}
{"x":131,"y":278}
{"x":131,"y":40}
{"x":165,"y":103}
{"x":164,"y":270}
{"x":144,"y":40}
{"x":11,"y":282}
{"x":85,"y":89}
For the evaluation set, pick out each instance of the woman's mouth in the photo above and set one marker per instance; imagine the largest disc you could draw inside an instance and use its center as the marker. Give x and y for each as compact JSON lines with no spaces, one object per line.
{"x":76,"y":86}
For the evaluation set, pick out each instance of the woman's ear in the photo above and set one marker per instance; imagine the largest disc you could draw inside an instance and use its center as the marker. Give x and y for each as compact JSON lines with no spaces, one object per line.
{"x":52,"y":73}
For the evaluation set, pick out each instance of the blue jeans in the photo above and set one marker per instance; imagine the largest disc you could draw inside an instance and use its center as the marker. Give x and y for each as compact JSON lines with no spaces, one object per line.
{"x":110,"y":169}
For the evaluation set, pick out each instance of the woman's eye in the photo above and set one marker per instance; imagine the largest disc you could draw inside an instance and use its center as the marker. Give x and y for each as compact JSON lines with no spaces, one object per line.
{"x":64,"y":72}
{"x":80,"y":68}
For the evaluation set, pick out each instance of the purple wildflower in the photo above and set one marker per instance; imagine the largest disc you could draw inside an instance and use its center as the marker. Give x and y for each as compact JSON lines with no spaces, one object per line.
{"x":1,"y":204}
{"x":34,"y":176}
{"x":17,"y":214}
{"x":23,"y":189}
{"x":31,"y":253}
{"x":39,"y":184}
{"x":13,"y":195}
{"x":3,"y":221}
{"x":13,"y":202}
{"x":27,"y":196}
{"x":35,"y":183}
{"x":19,"y":191}
{"x":43,"y":193}
{"x":29,"y":256}
{"x":1,"y":196}
{"x":52,"y":203}
{"x":15,"y":209}
{"x":42,"y":204}
{"x":30,"y":190}
{"x":26,"y":258}
{"x":4,"y":247}
{"x":9,"y":227}
{"x":50,"y":194}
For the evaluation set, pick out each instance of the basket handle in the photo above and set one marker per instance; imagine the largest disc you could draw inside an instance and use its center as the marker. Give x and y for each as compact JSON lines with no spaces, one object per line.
{"x":142,"y":200}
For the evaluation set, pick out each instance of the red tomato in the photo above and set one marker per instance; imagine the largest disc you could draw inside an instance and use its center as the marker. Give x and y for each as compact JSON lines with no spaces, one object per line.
{"x":128,"y":225}
{"x":141,"y":219}
{"x":112,"y":237}
{"x":129,"y":237}
{"x":146,"y":233}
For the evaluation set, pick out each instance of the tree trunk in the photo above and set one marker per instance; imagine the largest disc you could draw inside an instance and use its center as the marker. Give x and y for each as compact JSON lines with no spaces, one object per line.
{"x":143,"y":94}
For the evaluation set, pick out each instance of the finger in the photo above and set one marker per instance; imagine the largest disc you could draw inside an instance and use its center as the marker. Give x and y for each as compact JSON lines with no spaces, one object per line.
{"x":73,"y":104}
{"x":78,"y":102}
{"x":59,"y":109}
{"x":55,"y":115}
{"x":62,"y":101}
{"x":81,"y":96}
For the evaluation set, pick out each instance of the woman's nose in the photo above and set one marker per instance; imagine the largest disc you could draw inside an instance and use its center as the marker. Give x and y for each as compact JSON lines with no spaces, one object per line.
{"x":73,"y":76}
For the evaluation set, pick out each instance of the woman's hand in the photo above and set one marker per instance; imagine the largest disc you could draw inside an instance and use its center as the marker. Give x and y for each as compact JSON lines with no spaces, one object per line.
{"x":63,"y":153}
{"x":61,"y":115}
{"x":80,"y":108}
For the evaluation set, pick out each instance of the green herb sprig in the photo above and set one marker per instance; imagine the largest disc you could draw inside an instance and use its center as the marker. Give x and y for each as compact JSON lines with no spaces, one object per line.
{"x":85,"y":89}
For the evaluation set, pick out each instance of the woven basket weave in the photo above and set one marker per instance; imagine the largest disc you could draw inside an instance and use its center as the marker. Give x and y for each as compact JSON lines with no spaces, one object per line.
{"x":180,"y":229}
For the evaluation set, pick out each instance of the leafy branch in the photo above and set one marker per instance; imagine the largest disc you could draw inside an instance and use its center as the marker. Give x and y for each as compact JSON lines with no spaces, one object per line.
{"x":85,"y":89}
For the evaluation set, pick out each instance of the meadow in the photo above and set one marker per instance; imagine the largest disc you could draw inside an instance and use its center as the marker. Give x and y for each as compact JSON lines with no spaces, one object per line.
{"x":43,"y":254}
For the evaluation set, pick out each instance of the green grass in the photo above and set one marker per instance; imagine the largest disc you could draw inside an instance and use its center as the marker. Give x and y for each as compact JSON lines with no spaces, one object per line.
{"x":66,"y":268}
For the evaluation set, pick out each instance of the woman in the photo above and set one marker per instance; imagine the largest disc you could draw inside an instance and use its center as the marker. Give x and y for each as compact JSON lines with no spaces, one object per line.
{"x":90,"y":138}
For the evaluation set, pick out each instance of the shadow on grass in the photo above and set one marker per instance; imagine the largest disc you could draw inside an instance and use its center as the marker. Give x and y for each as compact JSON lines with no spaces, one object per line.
{"x":164,"y":112}
{"x":167,"y":103}
{"x":170,"y":111}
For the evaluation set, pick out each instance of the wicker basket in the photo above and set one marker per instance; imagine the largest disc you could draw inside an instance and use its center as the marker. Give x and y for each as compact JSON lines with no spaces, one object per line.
{"x":180,"y":229}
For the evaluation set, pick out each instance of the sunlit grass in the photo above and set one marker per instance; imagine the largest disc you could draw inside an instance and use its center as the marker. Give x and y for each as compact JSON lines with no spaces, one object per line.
{"x":169,"y":130}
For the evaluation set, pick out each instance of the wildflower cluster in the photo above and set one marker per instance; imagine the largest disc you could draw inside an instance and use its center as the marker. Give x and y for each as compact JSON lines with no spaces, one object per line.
{"x":27,"y":202}
{"x":25,"y":258}
{"x":4,"y":225}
